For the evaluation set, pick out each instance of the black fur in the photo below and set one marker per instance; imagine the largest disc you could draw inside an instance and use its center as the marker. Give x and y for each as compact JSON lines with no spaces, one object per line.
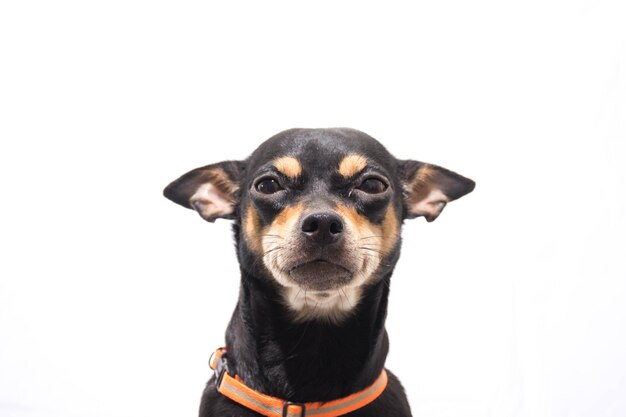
{"x":313,"y":360}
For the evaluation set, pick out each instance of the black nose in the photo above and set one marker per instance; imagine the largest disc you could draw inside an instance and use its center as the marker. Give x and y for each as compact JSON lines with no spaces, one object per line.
{"x":323,"y":227}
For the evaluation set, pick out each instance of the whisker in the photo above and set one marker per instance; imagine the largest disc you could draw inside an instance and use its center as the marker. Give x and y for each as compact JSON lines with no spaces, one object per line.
{"x":370,"y":249}
{"x":271,"y":240}
{"x":293,"y":349}
{"x":257,"y":261}
{"x":267,"y":252}
{"x":339,"y":294}
{"x":297,"y":294}
{"x":269,"y":235}
{"x":387,"y":284}
{"x":347,"y":299}
{"x":370,"y":237}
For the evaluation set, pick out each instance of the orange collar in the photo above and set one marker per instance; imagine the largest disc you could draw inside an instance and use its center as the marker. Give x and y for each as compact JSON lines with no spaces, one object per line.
{"x":236,"y":390}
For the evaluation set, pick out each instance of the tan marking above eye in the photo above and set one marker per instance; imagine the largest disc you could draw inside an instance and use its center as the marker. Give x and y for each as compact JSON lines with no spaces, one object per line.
{"x":352,"y":165}
{"x":288,"y":166}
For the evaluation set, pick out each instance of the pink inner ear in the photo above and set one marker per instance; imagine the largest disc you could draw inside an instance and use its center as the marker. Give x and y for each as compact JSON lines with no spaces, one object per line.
{"x":211,"y":203}
{"x":428,"y":202}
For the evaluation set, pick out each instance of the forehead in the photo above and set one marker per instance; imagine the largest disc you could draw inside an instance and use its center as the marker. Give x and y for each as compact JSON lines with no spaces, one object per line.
{"x":321,"y":150}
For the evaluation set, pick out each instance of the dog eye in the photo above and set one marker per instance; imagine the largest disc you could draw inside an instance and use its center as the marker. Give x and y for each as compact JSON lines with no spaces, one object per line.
{"x":372,"y":186}
{"x":268,"y":186}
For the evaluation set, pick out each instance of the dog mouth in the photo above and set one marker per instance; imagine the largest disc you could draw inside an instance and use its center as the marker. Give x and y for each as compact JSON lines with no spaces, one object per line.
{"x":320,"y":275}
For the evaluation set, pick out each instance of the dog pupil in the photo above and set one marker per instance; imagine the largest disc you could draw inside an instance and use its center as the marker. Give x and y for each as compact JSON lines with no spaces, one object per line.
{"x":373,"y":186}
{"x":268,"y":186}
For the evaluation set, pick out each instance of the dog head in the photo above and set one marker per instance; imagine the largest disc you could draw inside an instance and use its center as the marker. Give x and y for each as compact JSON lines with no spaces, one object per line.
{"x":318,"y":212}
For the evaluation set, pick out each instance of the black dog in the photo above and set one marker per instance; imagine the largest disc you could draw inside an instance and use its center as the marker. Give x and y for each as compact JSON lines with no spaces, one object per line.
{"x":317,"y":217}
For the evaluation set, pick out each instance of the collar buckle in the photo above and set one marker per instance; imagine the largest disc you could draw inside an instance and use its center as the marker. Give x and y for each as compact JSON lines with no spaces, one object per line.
{"x":294,"y":404}
{"x":220,"y":366}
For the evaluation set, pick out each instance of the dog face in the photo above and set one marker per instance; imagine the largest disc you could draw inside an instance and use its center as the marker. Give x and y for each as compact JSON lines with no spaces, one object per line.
{"x":318,"y":212}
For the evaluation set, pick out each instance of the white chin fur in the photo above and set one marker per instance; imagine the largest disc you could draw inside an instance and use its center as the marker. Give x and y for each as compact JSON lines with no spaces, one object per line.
{"x":332,"y":305}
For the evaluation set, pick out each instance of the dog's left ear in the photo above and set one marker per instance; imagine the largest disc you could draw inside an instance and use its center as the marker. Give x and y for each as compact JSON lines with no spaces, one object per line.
{"x":211,"y":190}
{"x":428,"y":188}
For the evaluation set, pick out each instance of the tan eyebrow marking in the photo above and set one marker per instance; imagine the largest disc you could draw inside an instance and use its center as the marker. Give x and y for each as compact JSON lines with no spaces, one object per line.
{"x":289,"y":166}
{"x":352,"y":164}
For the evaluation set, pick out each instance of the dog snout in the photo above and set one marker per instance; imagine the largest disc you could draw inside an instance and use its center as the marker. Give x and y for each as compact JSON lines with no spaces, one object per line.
{"x":323,"y":228}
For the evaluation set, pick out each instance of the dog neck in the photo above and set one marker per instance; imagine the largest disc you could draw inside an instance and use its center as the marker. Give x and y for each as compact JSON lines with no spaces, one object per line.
{"x":306,"y":361}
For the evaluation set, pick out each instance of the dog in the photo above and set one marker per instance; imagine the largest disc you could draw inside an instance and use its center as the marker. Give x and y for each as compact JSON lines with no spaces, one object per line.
{"x":317,"y":215}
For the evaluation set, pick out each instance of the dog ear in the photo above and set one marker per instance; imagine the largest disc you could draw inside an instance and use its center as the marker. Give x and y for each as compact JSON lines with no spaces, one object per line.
{"x":428,"y":188}
{"x":211,"y":190}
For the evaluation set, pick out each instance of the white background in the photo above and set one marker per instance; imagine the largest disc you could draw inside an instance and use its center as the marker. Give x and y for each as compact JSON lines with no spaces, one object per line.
{"x":510,"y":304}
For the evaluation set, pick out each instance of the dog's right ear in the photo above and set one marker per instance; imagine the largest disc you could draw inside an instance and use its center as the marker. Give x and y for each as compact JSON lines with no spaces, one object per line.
{"x":428,"y":188}
{"x":211,"y":190}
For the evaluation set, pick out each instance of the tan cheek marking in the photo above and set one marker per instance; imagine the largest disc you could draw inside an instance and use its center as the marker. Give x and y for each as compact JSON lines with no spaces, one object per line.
{"x":364,"y":228}
{"x":389,"y":230}
{"x":288,"y":166}
{"x":285,"y":220}
{"x":252,"y":229}
{"x":352,"y":165}
{"x":288,"y":213}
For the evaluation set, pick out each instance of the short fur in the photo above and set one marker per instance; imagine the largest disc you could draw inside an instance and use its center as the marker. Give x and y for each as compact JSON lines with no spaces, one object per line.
{"x":334,"y":206}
